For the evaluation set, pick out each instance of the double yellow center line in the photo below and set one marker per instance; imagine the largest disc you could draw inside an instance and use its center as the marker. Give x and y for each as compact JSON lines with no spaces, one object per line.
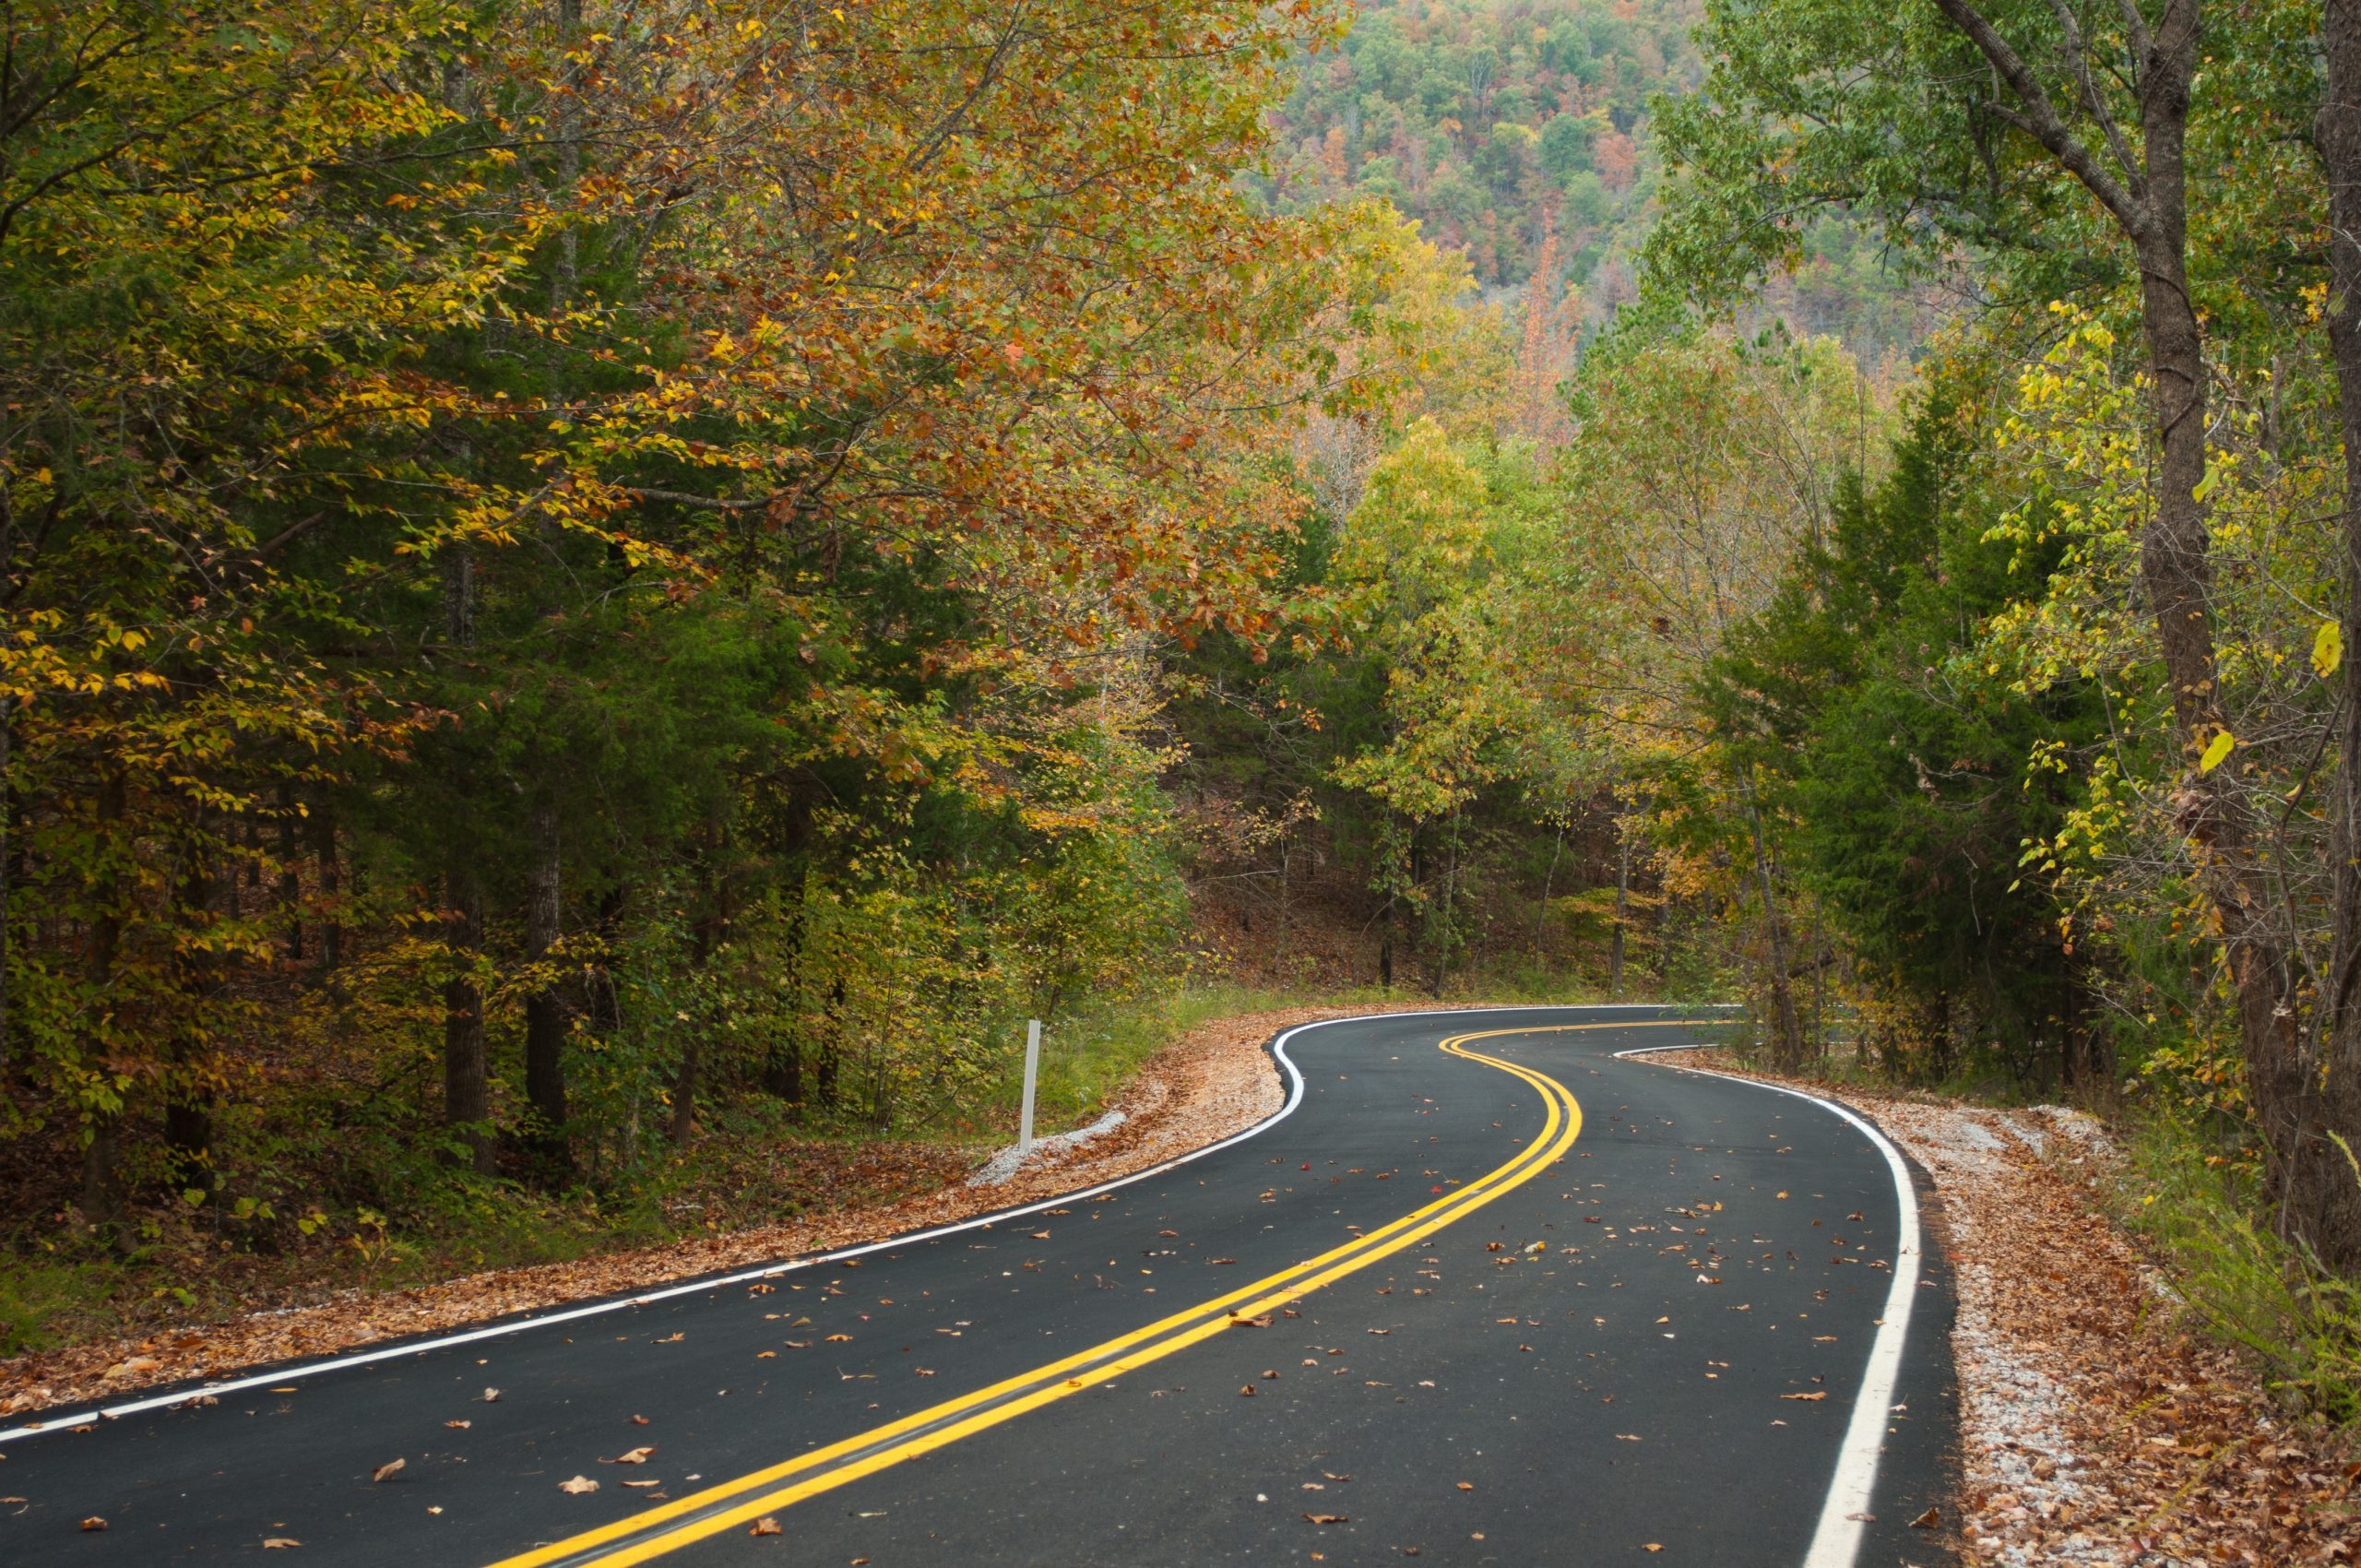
{"x":734,"y":1504}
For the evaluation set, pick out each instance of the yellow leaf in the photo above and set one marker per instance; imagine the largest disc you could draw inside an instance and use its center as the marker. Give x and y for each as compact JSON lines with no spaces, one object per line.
{"x":2328,"y":649}
{"x":2215,"y":751}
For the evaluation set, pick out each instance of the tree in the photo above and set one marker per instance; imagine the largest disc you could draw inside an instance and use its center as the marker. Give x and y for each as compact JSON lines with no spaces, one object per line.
{"x":1965,"y":133}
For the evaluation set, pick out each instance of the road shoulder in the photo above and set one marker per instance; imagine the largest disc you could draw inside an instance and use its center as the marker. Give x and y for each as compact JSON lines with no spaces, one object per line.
{"x":2095,"y":1429}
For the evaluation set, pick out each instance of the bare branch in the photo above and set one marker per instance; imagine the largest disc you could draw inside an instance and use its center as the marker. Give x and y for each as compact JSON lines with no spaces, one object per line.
{"x":2077,"y":55}
{"x":2136,"y":42}
{"x":2041,"y":121}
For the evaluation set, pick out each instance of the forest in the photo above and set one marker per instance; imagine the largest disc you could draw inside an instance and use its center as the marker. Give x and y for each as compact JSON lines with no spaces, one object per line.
{"x":601,"y":601}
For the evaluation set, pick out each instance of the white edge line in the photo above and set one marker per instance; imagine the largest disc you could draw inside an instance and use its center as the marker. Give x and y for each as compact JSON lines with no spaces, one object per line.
{"x":769,"y":1270}
{"x":1836,"y":1541}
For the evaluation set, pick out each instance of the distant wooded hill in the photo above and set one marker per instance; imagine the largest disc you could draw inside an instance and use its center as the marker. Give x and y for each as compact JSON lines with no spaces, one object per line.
{"x":1495,"y":123}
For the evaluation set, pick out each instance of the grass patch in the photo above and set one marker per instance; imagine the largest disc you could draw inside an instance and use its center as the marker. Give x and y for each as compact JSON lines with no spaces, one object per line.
{"x":2238,"y":1281}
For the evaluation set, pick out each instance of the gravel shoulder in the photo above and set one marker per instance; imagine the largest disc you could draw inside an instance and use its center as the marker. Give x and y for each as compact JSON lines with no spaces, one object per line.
{"x":2095,"y":1428}
{"x":1215,"y":1081}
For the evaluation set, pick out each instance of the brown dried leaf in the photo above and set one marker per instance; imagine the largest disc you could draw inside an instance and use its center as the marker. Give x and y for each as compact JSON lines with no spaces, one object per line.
{"x":766,"y":1525}
{"x":389,"y":1470}
{"x":632,"y":1456}
{"x":579,"y":1486}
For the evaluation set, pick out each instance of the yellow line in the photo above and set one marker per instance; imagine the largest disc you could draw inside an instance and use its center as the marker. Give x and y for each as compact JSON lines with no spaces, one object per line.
{"x":1559,"y":1128}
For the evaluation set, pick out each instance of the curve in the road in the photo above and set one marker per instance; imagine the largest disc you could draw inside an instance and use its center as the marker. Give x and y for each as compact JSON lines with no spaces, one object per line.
{"x":724,"y":1507}
{"x":1607,"y":1356}
{"x":1836,"y":1541}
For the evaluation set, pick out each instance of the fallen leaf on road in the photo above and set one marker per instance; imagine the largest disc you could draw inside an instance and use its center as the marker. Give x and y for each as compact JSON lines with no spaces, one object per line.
{"x":639,"y":1420}
{"x":1247,"y":1392}
{"x":1262,"y":1322}
{"x":840,"y":1339}
{"x":1381,"y":1332}
{"x":279,"y":1543}
{"x":491,"y":1396}
{"x":388,"y":1471}
{"x":643,"y":1485}
{"x":1651,"y":1546}
{"x":578,"y":1486}
{"x":1466,"y":1486}
{"x":458,"y":1425}
{"x":1218,"y":1261}
{"x":635,"y":1457}
{"x":1928,"y":1520}
{"x":1328,"y":1518}
{"x":1803,"y":1395}
{"x":766,"y":1525}
{"x":671,"y":1338}
{"x":1039,"y":1235}
{"x":94,"y":1523}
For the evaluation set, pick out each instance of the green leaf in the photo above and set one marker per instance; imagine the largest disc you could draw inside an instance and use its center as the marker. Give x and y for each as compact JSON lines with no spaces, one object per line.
{"x":2328,"y":649}
{"x":2205,"y":486}
{"x":2215,"y":750}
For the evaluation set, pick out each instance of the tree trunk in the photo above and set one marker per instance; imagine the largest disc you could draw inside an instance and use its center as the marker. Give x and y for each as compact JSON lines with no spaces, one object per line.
{"x":605,"y":997}
{"x":1787,"y":1035}
{"x":291,"y":880}
{"x":331,"y":946}
{"x":188,"y":1117}
{"x":1622,"y":909}
{"x":2322,"y":1173}
{"x":783,"y":1063}
{"x":101,"y":1127}
{"x":830,"y":1049}
{"x":2176,"y":570}
{"x":545,"y":1007}
{"x":467,"y":1081}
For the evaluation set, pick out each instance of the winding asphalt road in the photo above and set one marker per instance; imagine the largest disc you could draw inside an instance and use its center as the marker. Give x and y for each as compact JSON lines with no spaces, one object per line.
{"x":1484,"y":1293}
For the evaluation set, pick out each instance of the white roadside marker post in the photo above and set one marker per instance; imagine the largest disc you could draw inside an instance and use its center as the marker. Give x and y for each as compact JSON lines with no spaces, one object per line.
{"x":1032,"y":1075}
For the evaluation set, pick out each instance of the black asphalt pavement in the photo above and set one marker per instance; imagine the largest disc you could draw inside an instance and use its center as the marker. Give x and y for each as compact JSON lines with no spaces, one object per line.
{"x":1599,"y":1360}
